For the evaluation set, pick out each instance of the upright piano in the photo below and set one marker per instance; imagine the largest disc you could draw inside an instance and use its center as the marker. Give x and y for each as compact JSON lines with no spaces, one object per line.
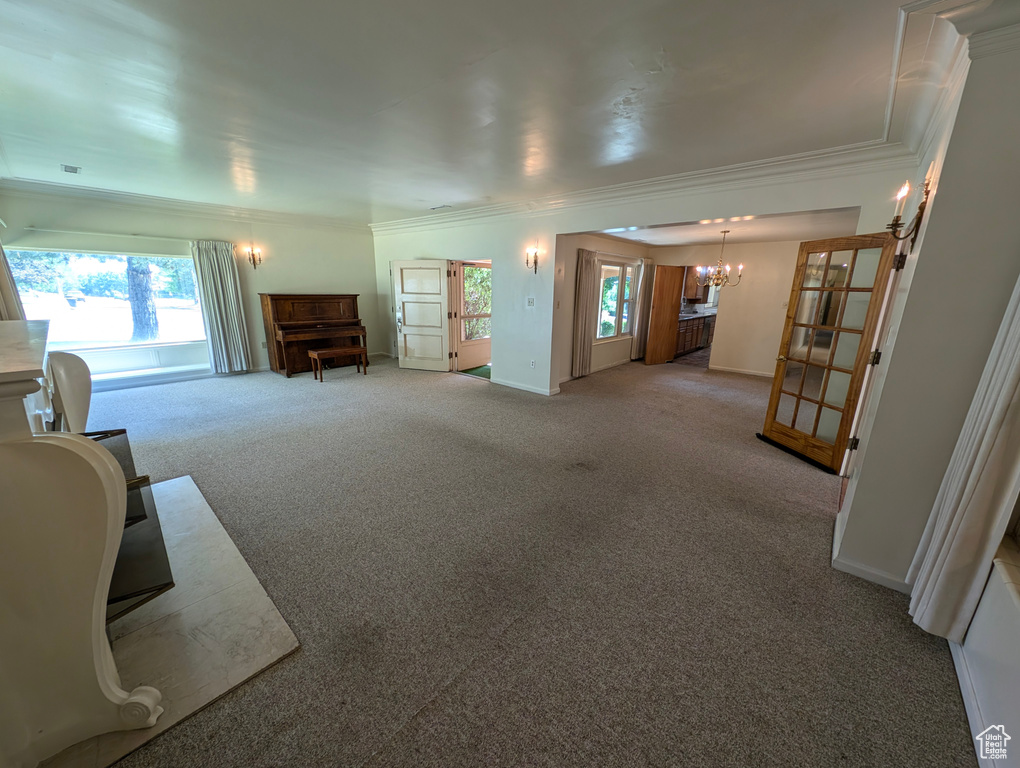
{"x":298,"y":322}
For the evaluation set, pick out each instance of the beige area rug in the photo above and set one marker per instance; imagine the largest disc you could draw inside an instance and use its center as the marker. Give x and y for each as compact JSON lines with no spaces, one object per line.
{"x":213,"y":631}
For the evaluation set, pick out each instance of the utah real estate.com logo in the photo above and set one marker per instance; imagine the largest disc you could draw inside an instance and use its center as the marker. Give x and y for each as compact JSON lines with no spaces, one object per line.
{"x":993,"y":742}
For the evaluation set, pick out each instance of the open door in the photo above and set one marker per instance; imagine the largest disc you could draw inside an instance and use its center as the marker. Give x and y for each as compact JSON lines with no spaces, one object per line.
{"x":664,"y":316}
{"x":471,"y":332}
{"x":827,"y":343}
{"x":420,"y":303}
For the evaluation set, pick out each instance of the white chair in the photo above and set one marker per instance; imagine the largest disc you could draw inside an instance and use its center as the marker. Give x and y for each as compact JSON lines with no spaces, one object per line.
{"x":72,"y":391}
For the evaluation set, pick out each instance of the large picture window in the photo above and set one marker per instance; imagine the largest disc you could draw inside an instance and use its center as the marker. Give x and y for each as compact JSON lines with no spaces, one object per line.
{"x":95,"y":300}
{"x":617,"y":289}
{"x":125,"y":315}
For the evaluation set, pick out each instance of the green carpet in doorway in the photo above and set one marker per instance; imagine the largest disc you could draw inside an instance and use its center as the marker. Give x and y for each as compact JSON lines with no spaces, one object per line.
{"x":482,"y":371}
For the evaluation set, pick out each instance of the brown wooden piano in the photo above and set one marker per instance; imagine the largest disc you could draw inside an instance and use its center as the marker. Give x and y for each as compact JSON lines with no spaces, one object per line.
{"x":298,"y":322}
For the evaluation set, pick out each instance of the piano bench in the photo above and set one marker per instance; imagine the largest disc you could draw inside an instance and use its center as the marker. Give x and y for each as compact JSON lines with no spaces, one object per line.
{"x":318,"y":355}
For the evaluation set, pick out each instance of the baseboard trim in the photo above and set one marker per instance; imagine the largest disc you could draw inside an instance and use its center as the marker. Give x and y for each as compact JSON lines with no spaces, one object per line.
{"x":870,"y":574}
{"x":837,"y":532}
{"x":131,"y":382}
{"x":608,"y":366}
{"x":970,"y":698}
{"x":739,"y":370}
{"x":526,"y":387}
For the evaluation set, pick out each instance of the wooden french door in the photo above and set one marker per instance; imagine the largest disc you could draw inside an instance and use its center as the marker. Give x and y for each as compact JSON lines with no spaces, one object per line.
{"x":826,"y":346}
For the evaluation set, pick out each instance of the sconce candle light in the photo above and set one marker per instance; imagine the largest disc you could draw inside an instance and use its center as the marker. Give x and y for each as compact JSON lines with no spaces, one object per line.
{"x":901,"y":203}
{"x":253,"y":255}
{"x":531,"y":257}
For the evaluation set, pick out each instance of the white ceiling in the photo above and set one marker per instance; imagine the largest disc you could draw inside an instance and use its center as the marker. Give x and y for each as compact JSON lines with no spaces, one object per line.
{"x":774,"y":228}
{"x":371,"y":110}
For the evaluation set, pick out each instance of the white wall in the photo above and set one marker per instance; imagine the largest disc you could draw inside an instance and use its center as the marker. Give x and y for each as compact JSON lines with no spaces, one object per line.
{"x":939,"y":354}
{"x":604,"y":354}
{"x":299,"y":255}
{"x":750,"y":319}
{"x":521,"y":335}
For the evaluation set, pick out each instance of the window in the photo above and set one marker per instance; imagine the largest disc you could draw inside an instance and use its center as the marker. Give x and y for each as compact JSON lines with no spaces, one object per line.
{"x":616,"y":309}
{"x":121,"y":313}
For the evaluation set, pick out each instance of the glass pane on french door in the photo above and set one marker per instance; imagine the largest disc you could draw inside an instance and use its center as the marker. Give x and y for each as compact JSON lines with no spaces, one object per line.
{"x":832,"y":305}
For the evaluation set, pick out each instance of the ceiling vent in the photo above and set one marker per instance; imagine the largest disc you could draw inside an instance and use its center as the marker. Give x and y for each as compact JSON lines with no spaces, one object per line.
{"x":70,"y":168}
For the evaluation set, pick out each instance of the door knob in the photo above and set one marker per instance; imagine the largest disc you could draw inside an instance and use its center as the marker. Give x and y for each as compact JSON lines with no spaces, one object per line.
{"x":781,"y":359}
{"x":400,"y":325}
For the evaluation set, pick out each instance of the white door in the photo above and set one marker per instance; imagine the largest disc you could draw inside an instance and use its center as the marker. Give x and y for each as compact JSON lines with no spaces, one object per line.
{"x":421,"y":306}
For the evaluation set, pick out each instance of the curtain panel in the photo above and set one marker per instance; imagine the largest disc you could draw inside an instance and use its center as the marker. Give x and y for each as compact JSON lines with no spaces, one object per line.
{"x":586,"y":302}
{"x":977,"y":496}
{"x":10,"y":301}
{"x":644,"y":306}
{"x":219,"y":287}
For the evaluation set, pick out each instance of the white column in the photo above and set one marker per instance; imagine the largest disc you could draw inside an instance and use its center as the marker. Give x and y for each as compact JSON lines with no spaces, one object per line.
{"x":966,"y":267}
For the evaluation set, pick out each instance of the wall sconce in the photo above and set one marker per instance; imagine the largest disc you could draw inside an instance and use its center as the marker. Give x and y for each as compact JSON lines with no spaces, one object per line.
{"x":253,"y":255}
{"x":915,"y":226}
{"x":531,"y":257}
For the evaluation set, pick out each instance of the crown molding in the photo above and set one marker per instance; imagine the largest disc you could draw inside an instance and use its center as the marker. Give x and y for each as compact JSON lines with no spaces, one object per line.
{"x":949,"y":99}
{"x":129,"y":201}
{"x":971,"y":18}
{"x":843,"y":161}
{"x":995,"y":41}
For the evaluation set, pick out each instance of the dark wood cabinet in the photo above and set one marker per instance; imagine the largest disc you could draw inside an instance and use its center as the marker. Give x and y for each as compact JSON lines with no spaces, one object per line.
{"x":694,"y":333}
{"x":298,"y":322}
{"x":689,"y":333}
{"x":694,"y":293}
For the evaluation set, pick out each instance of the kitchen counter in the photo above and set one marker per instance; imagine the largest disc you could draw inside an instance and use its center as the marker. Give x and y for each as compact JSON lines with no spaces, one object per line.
{"x":708,"y":312}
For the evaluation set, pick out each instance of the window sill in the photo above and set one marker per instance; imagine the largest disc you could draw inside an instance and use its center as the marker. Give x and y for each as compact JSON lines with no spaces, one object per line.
{"x":610,"y":339}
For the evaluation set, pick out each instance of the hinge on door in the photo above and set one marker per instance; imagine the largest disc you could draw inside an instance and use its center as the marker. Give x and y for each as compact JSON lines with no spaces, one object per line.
{"x":449,"y":315}
{"x":875,"y":357}
{"x":449,"y":273}
{"x":451,"y":355}
{"x":899,"y":262}
{"x":855,"y":443}
{"x":455,"y":314}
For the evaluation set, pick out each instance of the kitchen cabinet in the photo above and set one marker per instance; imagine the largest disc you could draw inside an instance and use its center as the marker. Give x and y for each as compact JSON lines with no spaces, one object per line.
{"x":694,"y":333}
{"x":689,"y":334}
{"x":694,"y":293}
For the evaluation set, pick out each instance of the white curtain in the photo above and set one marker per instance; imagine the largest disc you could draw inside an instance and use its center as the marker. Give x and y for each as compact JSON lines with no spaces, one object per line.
{"x":586,"y":302}
{"x":10,"y":302}
{"x":977,"y":496}
{"x":220,"y":290}
{"x":643,"y":307}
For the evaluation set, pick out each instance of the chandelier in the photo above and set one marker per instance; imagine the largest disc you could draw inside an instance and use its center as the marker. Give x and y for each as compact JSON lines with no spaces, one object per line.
{"x":719,"y":276}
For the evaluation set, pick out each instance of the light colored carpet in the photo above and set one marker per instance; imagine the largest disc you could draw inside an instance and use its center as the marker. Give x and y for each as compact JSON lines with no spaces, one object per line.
{"x":619,"y":575}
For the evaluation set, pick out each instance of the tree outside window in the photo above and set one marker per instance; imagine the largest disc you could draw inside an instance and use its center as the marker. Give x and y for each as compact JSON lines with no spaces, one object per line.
{"x":477,"y":310}
{"x":615,"y":309}
{"x":103,"y":300}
